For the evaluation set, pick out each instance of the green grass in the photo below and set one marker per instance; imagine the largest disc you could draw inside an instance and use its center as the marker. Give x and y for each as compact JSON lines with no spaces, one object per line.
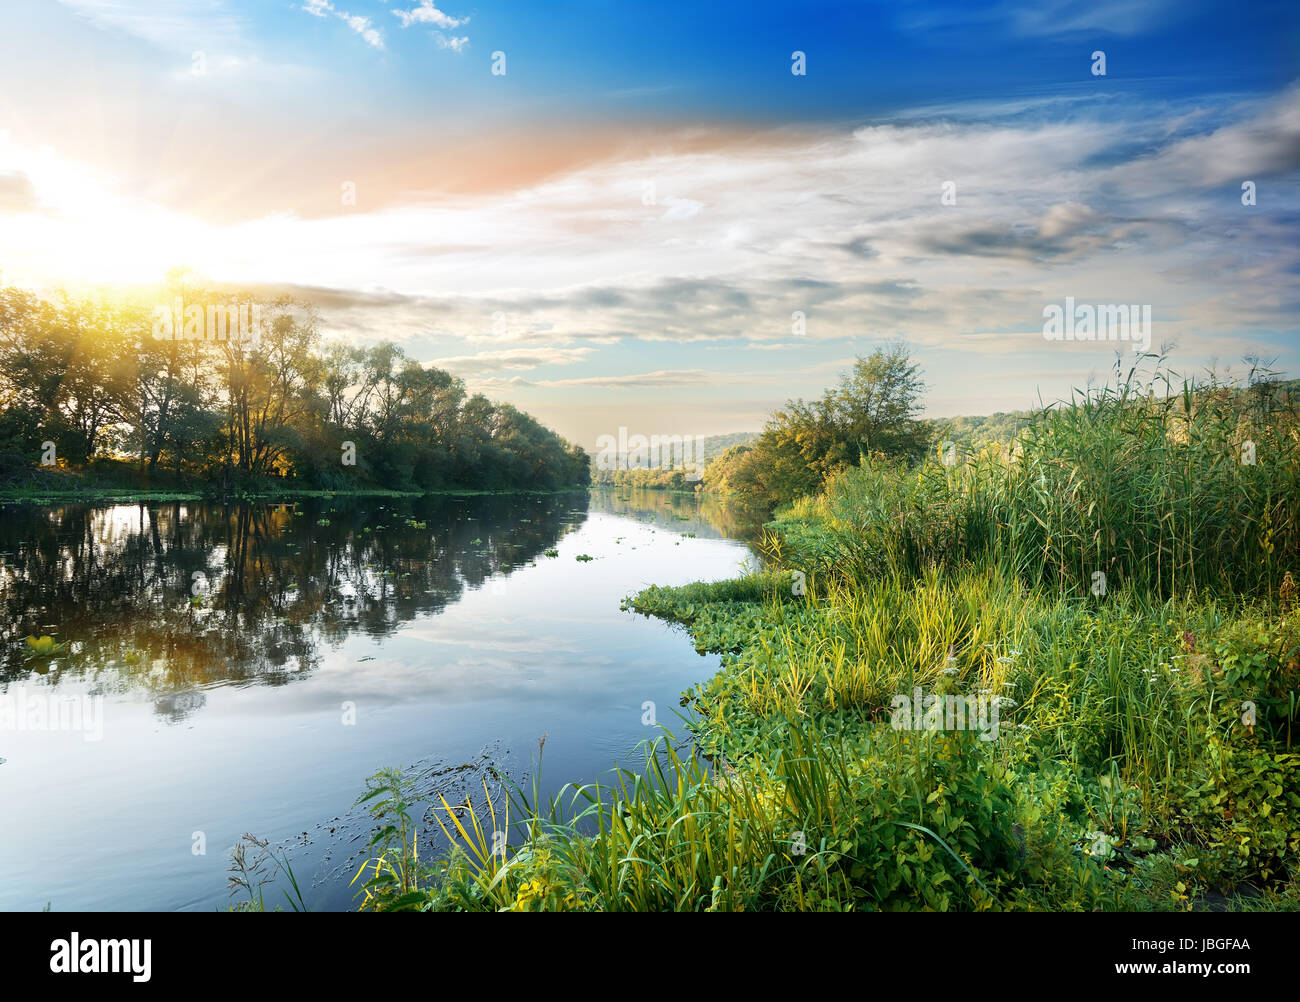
{"x":1122,"y":776}
{"x":97,"y":495}
{"x":1149,"y":491}
{"x":107,"y":494}
{"x":1145,"y":753}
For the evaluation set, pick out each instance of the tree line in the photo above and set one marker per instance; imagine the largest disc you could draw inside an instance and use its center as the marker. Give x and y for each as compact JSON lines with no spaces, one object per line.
{"x":98,"y":382}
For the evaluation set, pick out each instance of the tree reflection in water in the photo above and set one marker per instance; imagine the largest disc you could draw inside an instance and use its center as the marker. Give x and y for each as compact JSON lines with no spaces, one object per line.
{"x":276,"y":582}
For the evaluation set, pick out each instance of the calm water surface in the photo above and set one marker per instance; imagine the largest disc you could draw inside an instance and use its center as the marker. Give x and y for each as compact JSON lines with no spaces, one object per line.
{"x":333,"y":637}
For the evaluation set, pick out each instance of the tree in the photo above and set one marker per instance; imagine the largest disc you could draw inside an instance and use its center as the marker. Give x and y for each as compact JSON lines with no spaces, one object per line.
{"x":269,"y":388}
{"x":97,"y":377}
{"x":874,"y":410}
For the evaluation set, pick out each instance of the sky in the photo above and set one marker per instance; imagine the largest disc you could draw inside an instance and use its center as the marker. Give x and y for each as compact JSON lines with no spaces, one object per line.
{"x":626,"y":214}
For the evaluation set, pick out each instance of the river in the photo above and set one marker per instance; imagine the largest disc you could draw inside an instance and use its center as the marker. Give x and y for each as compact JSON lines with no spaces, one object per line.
{"x":219,"y":669}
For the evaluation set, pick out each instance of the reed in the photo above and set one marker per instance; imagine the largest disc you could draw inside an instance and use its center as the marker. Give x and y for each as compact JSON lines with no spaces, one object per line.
{"x":1195,"y":489}
{"x":1144,"y":749}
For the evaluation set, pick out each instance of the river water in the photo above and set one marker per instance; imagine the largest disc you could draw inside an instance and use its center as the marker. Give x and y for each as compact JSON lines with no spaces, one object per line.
{"x":222,"y":669}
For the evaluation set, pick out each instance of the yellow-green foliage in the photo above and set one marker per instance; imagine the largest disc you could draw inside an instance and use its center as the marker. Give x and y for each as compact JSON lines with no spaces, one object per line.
{"x":1118,"y":755}
{"x":1150,"y":491}
{"x":1144,"y":753}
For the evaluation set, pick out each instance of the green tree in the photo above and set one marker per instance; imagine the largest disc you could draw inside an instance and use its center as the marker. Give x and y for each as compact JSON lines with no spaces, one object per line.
{"x":874,"y":410}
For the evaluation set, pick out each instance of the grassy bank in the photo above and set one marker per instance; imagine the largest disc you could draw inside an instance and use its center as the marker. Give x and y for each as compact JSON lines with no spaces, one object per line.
{"x":109,"y":482}
{"x":1116,"y":593}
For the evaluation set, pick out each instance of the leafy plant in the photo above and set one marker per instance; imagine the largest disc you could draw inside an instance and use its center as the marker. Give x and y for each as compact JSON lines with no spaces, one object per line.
{"x":43,"y":647}
{"x":393,"y":883}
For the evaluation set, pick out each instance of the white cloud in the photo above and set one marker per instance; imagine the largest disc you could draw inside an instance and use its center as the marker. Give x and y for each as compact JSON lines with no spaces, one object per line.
{"x":511,"y":359}
{"x":361,"y":25}
{"x":1043,"y":18}
{"x":427,"y":13}
{"x":456,"y":44}
{"x":845,"y":226}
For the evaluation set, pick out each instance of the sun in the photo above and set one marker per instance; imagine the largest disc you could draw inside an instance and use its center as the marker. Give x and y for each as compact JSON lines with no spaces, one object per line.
{"x":77,"y":229}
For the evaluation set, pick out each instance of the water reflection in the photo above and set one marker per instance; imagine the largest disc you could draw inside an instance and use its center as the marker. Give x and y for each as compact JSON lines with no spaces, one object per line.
{"x":331,"y":638}
{"x":707,"y":515}
{"x":162,"y":601}
{"x":167,"y":600}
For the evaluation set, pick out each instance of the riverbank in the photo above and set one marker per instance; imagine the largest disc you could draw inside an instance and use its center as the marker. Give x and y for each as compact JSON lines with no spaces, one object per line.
{"x":1064,"y":676}
{"x":128,"y":495}
{"x":1118,"y":771}
{"x":107,"y":480}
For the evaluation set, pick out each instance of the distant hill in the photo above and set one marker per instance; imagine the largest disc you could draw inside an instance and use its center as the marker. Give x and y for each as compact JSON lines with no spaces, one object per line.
{"x":971,"y":433}
{"x":715,"y":445}
{"x":710,"y":448}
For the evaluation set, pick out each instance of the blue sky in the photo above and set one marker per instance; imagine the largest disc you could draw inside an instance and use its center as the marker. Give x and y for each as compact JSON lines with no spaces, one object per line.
{"x":619,"y":230}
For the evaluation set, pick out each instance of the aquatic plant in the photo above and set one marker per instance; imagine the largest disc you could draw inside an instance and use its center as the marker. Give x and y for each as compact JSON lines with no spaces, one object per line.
{"x":395,"y":868}
{"x":43,"y":646}
{"x":250,"y":874}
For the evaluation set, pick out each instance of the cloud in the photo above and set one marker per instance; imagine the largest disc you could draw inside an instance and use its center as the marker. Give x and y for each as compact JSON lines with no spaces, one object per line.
{"x":1067,"y":229}
{"x":819,"y":223}
{"x":859,"y":247}
{"x":427,"y":13}
{"x":1046,"y":18}
{"x":1265,"y":142}
{"x":681,"y":208}
{"x":1042,"y":18}
{"x":659,"y":379}
{"x":1122,"y":203}
{"x":510,"y":358}
{"x":361,"y":25}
